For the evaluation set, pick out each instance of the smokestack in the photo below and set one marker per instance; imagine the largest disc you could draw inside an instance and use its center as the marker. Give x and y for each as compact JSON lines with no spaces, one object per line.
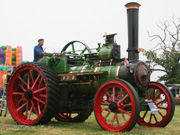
{"x":132,"y":16}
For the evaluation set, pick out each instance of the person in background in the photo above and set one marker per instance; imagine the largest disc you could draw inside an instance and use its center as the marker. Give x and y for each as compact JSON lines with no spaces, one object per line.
{"x":38,"y":50}
{"x":1,"y":91}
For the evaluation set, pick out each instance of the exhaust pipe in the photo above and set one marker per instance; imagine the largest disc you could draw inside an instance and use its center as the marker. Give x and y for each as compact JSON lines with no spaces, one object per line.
{"x":132,"y":18}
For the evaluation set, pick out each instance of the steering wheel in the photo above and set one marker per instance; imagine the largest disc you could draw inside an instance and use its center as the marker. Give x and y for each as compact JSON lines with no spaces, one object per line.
{"x":86,"y":47}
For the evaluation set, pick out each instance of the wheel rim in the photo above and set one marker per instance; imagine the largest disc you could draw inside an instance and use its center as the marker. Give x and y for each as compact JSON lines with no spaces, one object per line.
{"x":155,"y":92}
{"x":27,"y":94}
{"x":110,"y":103}
{"x":67,"y":117}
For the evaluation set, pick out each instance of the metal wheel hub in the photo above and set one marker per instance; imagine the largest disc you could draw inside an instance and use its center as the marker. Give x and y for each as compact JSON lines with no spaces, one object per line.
{"x":113,"y":106}
{"x":28,"y":94}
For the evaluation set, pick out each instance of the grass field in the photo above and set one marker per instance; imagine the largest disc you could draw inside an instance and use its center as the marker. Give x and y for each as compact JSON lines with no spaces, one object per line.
{"x":90,"y":127}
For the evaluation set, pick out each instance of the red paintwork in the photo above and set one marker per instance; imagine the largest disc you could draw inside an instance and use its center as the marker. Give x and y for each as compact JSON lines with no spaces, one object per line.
{"x":139,"y":75}
{"x":22,"y":112}
{"x":99,"y":110}
{"x":66,"y":117}
{"x":157,"y":122}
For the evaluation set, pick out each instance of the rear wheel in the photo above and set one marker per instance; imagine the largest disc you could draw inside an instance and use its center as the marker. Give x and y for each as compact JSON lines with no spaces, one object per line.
{"x":32,"y":94}
{"x":164,"y":100}
{"x":116,"y":106}
{"x":75,"y":117}
{"x":72,"y":117}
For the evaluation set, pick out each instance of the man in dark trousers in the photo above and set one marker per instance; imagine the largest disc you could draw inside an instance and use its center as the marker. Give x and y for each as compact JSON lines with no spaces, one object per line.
{"x":1,"y":91}
{"x":38,"y":50}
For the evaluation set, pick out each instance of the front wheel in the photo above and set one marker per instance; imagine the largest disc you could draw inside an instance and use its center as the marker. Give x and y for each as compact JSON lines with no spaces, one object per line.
{"x":116,"y":106}
{"x":163,"y":98}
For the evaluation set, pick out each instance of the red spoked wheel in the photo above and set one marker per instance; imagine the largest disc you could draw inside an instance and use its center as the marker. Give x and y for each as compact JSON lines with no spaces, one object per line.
{"x":67,"y":117}
{"x":29,"y":94}
{"x":75,"y":117}
{"x":116,"y":106}
{"x":163,"y":98}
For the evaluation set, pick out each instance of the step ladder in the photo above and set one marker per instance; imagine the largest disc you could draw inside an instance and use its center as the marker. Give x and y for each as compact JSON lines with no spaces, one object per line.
{"x":2,"y":100}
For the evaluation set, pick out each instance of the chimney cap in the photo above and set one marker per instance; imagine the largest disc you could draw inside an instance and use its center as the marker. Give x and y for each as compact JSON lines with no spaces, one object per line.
{"x":132,"y":5}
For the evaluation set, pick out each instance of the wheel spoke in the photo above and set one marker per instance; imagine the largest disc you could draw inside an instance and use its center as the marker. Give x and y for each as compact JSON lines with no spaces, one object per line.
{"x":70,"y":115}
{"x":107,"y":114}
{"x":157,"y":97}
{"x":30,"y":113}
{"x":144,"y":115}
{"x":155,"y":118}
{"x":28,"y":83}
{"x":164,"y":108}
{"x":109,"y":95}
{"x":113,"y":119}
{"x":114,"y":94}
{"x":104,"y":109}
{"x":154,"y":94}
{"x":20,"y":78}
{"x":123,"y":111}
{"x":20,"y":100}
{"x":83,"y":50}
{"x":40,"y":83}
{"x":117,"y":120}
{"x":161,"y":114}
{"x":161,"y":102}
{"x":120,"y":93}
{"x":37,"y":99}
{"x":21,"y":106}
{"x":35,"y":81}
{"x":27,"y":109}
{"x":39,"y":90}
{"x":73,"y":48}
{"x":34,"y":108}
{"x":123,"y":117}
{"x":31,"y":76}
{"x":148,"y":97}
{"x":22,"y":87}
{"x":106,"y":102}
{"x":123,"y":98}
{"x":150,"y":118}
{"x":17,"y":93}
{"x":129,"y":104}
{"x":39,"y":110}
{"x":42,"y":95}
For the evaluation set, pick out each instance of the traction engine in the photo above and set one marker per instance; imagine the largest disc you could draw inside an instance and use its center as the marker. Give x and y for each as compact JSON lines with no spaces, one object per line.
{"x":70,"y":85}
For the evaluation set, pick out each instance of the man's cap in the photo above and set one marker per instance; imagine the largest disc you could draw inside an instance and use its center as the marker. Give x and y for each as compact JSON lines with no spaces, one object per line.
{"x":41,"y":39}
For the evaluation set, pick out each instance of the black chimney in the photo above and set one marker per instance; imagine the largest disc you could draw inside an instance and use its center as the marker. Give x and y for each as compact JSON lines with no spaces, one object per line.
{"x":132,"y":16}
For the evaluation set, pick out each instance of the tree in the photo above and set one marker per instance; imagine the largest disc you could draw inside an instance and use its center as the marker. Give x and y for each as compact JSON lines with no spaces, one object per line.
{"x":166,"y":54}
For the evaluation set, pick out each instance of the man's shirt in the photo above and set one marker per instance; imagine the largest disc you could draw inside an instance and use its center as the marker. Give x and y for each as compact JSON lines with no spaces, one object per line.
{"x":38,"y":50}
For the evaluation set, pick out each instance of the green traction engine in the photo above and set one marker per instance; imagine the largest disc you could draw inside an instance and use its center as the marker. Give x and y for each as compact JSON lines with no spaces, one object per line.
{"x":70,"y":85}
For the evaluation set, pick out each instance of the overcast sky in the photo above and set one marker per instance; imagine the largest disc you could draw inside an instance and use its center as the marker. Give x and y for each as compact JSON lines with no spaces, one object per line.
{"x":23,"y":22}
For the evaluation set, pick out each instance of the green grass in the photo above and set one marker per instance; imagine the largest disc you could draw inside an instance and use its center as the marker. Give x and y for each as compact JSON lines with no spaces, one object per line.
{"x":90,"y":127}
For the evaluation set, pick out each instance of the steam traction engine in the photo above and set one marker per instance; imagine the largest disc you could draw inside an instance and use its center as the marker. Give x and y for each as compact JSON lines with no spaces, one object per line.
{"x":70,"y":85}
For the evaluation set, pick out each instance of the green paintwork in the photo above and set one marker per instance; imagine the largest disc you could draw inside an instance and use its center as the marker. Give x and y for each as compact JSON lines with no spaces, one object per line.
{"x":105,"y":52}
{"x":88,"y":83}
{"x":59,"y":65}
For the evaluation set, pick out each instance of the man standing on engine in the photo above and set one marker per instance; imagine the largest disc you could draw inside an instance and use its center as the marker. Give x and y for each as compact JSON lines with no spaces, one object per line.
{"x":38,"y":50}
